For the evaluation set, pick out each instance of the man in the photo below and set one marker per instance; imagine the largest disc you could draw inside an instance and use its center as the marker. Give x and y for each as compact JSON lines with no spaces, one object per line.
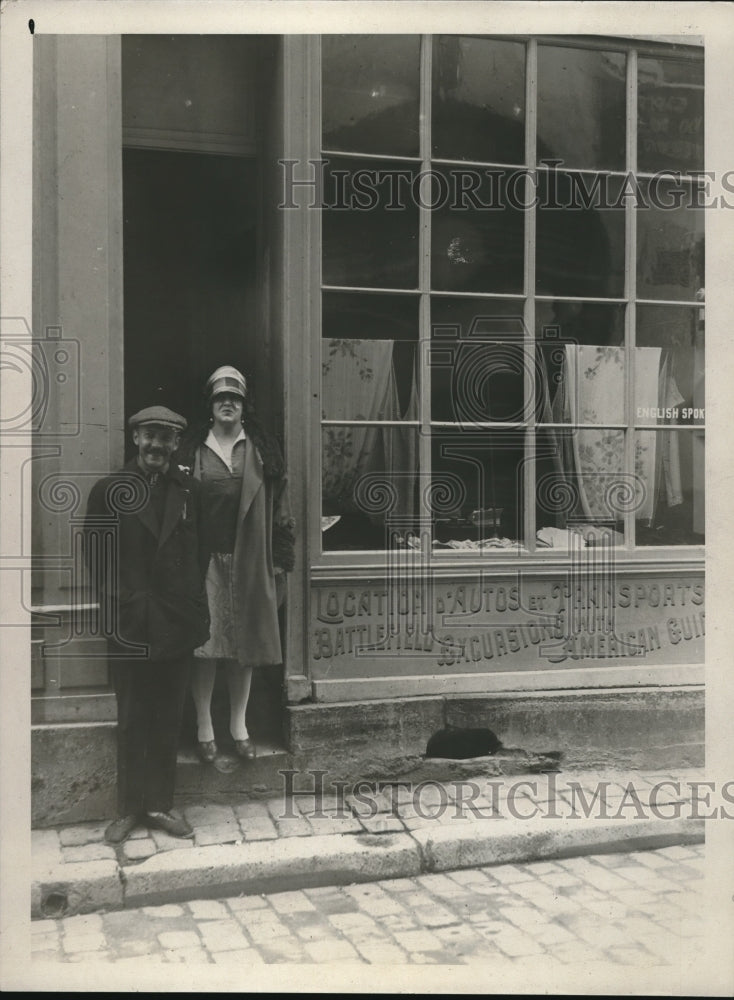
{"x":144,"y":550}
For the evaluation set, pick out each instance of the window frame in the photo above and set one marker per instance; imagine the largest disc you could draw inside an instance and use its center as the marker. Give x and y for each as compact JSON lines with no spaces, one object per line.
{"x":650,"y":558}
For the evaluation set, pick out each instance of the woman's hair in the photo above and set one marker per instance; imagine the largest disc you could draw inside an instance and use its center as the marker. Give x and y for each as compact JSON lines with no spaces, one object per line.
{"x":264,"y":441}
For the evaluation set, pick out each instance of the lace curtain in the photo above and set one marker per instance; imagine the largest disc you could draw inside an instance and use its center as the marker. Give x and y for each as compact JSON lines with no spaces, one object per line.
{"x":592,"y":390}
{"x":358,"y":383}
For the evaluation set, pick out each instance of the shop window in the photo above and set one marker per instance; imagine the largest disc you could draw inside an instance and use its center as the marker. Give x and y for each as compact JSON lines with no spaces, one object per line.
{"x":512,"y":304}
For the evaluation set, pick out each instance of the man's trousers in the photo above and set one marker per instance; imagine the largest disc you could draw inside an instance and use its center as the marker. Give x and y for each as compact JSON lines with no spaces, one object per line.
{"x":150,"y":700}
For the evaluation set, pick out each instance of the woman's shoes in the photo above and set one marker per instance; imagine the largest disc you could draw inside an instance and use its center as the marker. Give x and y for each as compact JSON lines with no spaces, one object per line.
{"x":207,"y":751}
{"x":245,"y":749}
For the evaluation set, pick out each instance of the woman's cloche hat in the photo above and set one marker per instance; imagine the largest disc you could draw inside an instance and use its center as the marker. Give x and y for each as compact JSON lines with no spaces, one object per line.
{"x":225,"y":379}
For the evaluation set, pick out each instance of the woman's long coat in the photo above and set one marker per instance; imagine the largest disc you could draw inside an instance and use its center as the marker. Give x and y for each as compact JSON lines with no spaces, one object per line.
{"x":263,"y":542}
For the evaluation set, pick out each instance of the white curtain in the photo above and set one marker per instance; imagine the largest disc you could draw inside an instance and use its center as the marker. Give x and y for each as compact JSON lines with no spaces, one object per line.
{"x":592,"y":390}
{"x":358,"y":383}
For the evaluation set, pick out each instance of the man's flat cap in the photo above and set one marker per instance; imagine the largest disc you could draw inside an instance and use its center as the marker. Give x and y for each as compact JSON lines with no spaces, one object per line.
{"x":158,"y":415}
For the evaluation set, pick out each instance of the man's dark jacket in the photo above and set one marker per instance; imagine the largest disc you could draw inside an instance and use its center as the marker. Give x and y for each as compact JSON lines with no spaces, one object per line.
{"x":154,"y":585}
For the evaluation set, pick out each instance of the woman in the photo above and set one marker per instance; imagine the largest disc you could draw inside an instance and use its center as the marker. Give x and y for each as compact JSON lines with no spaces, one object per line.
{"x":250,"y":535}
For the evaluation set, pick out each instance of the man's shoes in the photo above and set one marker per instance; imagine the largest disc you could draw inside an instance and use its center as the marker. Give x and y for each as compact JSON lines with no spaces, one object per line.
{"x":244,"y":749}
{"x":207,"y":751}
{"x":120,"y":829}
{"x":172,"y":825}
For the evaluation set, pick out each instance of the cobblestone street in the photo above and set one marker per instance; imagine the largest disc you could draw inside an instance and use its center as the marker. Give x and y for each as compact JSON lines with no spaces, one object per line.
{"x":642,"y":909}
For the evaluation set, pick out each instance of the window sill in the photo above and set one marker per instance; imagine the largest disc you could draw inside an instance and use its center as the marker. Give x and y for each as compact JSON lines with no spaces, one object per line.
{"x":452,"y":564}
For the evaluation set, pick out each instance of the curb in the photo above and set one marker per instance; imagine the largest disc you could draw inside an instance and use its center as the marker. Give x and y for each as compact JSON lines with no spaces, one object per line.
{"x":271,"y":866}
{"x":517,"y":842}
{"x":338,"y":859}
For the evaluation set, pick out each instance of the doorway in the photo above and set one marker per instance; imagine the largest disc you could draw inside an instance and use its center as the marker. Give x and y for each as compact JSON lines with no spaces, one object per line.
{"x":190,"y":239}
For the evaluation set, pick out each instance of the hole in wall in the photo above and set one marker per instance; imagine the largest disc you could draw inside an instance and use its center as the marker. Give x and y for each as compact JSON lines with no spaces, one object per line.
{"x":461,"y":743}
{"x":54,"y":904}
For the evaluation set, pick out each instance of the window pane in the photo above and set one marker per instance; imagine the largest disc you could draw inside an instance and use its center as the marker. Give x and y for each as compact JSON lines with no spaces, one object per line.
{"x":678,"y":496}
{"x":369,"y":342}
{"x":370,"y":93}
{"x":595,"y":323}
{"x":580,"y":482}
{"x":580,"y":234}
{"x":369,"y":476}
{"x":669,"y":114}
{"x":581,"y":107}
{"x":481,"y":473}
{"x":474,"y":382}
{"x":478,"y":99}
{"x":370,"y":316}
{"x":676,"y":334}
{"x":670,"y":241}
{"x":477,"y":230}
{"x":483,"y":319}
{"x":568,"y":336}
{"x":370,"y":225}
{"x":476,"y":359}
{"x":591,"y":383}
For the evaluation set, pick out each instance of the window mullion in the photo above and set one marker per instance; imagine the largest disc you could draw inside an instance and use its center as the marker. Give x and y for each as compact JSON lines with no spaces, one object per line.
{"x":314,"y":99}
{"x":631,"y":293}
{"x":424,"y":285}
{"x":531,"y":116}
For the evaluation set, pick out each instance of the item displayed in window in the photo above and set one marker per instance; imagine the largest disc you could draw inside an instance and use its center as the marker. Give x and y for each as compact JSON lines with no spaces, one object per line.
{"x":592,"y":391}
{"x":359,"y":384}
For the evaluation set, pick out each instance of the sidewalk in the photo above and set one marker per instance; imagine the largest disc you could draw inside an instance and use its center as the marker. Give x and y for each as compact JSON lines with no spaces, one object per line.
{"x":372,"y":831}
{"x":644,"y":910}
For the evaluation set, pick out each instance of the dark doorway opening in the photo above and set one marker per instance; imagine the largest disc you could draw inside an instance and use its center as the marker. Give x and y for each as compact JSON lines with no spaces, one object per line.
{"x":190,"y":239}
{"x":190,"y":304}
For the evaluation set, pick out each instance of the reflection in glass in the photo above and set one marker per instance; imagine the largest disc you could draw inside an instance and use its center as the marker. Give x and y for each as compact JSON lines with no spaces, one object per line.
{"x":670,"y":114}
{"x":580,"y":234}
{"x":596,"y":323}
{"x":370,"y":225}
{"x":483,"y":319}
{"x":581,"y":107}
{"x":478,"y":99}
{"x":670,"y":242}
{"x":490,"y":466}
{"x":477,"y":230}
{"x":369,"y":485}
{"x":679,"y":490}
{"x":370,"y":93}
{"x":370,"y":316}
